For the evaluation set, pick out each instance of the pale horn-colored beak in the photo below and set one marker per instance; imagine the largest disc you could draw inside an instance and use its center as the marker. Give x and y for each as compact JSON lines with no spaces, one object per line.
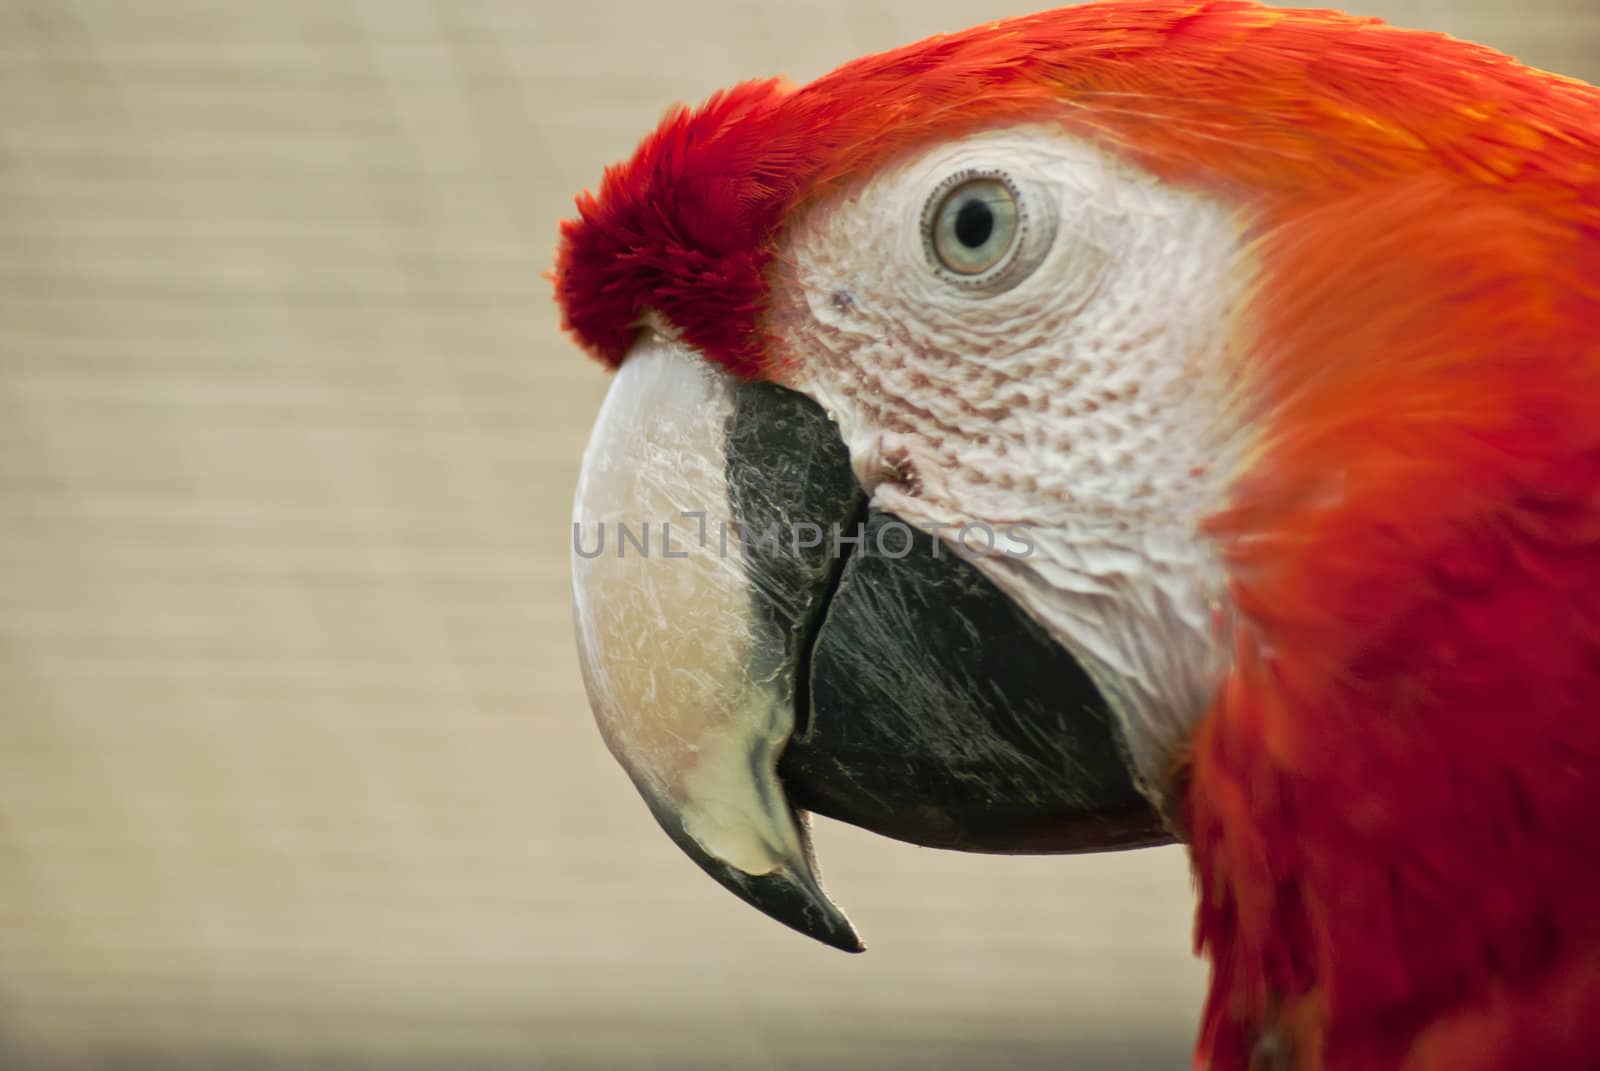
{"x":686,"y":675}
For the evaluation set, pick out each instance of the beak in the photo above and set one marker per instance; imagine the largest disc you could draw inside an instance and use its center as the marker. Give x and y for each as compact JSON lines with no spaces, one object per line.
{"x":758,"y":643}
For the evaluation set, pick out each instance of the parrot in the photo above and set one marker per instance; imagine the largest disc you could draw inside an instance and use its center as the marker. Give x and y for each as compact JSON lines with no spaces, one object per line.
{"x":1147,"y":421}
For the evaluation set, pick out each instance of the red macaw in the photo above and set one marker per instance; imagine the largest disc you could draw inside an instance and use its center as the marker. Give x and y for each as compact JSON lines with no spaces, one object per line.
{"x":1139,"y":420}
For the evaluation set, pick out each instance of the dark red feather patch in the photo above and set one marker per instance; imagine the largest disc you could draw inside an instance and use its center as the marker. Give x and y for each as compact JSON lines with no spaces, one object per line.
{"x":681,"y":228}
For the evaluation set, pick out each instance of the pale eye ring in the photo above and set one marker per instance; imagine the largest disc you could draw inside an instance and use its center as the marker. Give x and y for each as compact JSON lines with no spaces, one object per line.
{"x":972,"y":223}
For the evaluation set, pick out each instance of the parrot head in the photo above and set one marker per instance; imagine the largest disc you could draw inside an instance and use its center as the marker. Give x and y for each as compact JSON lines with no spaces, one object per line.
{"x":1015,"y":439}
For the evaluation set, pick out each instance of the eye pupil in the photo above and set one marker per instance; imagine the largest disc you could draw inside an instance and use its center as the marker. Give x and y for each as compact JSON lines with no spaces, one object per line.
{"x":971,"y":223}
{"x":974,"y":223}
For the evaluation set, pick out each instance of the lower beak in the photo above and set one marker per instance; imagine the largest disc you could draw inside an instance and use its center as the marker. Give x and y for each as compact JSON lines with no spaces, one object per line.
{"x":757,"y":642}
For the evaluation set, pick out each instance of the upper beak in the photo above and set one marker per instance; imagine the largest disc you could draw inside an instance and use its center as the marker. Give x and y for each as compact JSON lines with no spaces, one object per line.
{"x":755,"y":640}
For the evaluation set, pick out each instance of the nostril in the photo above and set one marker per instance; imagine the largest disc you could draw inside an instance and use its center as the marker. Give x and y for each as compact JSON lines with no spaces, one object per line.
{"x":905,"y":474}
{"x":893,"y":465}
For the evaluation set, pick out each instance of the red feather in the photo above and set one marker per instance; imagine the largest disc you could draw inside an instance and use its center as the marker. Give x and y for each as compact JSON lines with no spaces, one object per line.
{"x":1392,"y":804}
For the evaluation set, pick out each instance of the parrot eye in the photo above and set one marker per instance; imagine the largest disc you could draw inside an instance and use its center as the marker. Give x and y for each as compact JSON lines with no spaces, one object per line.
{"x":971,"y":223}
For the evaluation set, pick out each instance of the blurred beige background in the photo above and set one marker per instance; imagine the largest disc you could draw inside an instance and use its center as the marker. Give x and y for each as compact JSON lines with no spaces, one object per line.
{"x":295,"y":767}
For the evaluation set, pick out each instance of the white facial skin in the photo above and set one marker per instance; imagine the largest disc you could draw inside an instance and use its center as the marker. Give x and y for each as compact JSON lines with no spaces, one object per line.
{"x":1083,"y":392}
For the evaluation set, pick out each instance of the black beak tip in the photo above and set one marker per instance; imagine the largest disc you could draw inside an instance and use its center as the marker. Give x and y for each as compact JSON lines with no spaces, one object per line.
{"x":790,"y":894}
{"x":796,"y":901}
